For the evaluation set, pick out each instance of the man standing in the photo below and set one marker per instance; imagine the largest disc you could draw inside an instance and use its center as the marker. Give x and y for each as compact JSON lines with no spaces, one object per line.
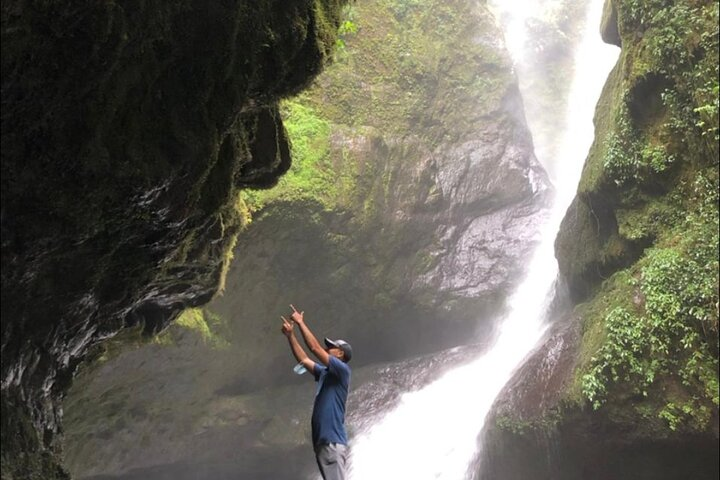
{"x":332,"y":375}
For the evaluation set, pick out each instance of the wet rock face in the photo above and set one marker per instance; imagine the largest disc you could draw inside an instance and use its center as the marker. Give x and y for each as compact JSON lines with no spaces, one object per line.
{"x":494,"y":190}
{"x":539,"y":383}
{"x":127,"y":132}
{"x":426,"y":272}
{"x":533,"y":432}
{"x":609,"y":26}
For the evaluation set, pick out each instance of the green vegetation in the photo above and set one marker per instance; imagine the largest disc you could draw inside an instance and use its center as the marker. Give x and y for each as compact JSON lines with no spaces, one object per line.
{"x":347,"y":27}
{"x":678,"y":49}
{"x":397,"y":56}
{"x":208,"y":326}
{"x":517,"y":426}
{"x":663,"y":322}
{"x":310,"y":175}
{"x":629,"y":158}
{"x":237,"y":218}
{"x":399,"y":70}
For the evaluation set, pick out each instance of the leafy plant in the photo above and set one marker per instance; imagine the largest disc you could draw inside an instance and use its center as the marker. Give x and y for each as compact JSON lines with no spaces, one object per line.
{"x":673,"y":332}
{"x":628,"y":158}
{"x":346,"y":28}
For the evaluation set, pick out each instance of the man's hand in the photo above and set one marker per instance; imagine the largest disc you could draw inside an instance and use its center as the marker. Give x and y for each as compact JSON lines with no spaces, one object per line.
{"x":308,"y":336}
{"x":287,"y":327}
{"x":296,"y":316}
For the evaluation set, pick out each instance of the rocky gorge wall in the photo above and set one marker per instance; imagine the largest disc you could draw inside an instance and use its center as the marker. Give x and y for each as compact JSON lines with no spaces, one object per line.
{"x":627,"y":384}
{"x":408,"y":212}
{"x":128,"y":130}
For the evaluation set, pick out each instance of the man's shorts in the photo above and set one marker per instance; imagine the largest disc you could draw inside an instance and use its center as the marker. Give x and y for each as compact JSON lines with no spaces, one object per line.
{"x":331,"y":460}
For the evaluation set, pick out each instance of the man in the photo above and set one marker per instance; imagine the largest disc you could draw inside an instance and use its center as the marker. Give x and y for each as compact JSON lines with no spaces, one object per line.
{"x":332,"y":375}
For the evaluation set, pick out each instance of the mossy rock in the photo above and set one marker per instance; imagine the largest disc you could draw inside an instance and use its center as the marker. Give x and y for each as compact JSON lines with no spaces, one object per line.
{"x":645,"y":224}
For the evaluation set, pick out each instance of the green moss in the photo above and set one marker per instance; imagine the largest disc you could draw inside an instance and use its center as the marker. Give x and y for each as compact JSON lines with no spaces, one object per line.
{"x":630,"y":157}
{"x":646,"y":222}
{"x":542,"y":424}
{"x":593,"y":177}
{"x":401,"y":70}
{"x":234,"y":219}
{"x":310,"y":175}
{"x":662,"y":100}
{"x":396,"y":61}
{"x":201,"y":322}
{"x":328,"y":15}
{"x":192,"y":319}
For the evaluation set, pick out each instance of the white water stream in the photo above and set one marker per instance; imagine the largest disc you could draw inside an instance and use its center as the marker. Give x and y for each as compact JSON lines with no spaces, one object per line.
{"x":433,"y":432}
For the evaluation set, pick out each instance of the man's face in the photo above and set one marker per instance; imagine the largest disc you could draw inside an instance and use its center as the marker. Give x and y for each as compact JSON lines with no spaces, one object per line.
{"x":335,"y":352}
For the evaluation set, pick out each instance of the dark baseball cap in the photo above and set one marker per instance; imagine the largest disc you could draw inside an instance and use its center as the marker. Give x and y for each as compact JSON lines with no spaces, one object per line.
{"x":342,"y":345}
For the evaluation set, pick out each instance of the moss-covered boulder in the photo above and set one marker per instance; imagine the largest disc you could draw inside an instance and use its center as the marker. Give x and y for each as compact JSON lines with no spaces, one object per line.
{"x":415,"y":197}
{"x":541,"y":428}
{"x":128,"y":130}
{"x":637,"y":389}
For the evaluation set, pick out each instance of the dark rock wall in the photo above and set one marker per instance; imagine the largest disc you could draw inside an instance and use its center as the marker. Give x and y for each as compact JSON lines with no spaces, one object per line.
{"x":128,"y":129}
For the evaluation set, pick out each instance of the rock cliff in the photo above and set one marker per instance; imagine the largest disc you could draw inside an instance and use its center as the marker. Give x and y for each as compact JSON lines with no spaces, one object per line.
{"x":627,"y":387}
{"x":128,"y":130}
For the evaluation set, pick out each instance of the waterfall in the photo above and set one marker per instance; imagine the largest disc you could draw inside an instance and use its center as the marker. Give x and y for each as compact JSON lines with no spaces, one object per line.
{"x":433,"y":432}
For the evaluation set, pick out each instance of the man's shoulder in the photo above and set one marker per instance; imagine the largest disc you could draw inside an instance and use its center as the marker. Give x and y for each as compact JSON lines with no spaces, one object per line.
{"x":338,"y":366}
{"x":336,"y":361}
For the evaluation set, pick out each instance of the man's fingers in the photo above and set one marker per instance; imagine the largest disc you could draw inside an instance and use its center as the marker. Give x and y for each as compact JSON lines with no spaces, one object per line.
{"x":293,"y":307}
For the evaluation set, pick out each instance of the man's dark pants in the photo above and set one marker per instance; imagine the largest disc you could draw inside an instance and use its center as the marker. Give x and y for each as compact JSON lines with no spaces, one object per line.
{"x":331,"y":460}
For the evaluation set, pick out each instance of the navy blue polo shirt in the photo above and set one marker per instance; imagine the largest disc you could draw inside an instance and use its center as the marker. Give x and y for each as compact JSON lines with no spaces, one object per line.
{"x":328,"y":418}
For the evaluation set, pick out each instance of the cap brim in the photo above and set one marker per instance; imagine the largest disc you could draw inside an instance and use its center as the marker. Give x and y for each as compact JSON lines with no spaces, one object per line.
{"x":330,"y":343}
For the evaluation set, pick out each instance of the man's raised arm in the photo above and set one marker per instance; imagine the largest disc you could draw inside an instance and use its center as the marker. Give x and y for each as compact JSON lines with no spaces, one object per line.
{"x":309,"y":338}
{"x":297,"y":350}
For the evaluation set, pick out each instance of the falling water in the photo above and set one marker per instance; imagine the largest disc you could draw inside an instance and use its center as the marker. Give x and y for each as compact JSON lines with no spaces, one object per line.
{"x":433,"y":432}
